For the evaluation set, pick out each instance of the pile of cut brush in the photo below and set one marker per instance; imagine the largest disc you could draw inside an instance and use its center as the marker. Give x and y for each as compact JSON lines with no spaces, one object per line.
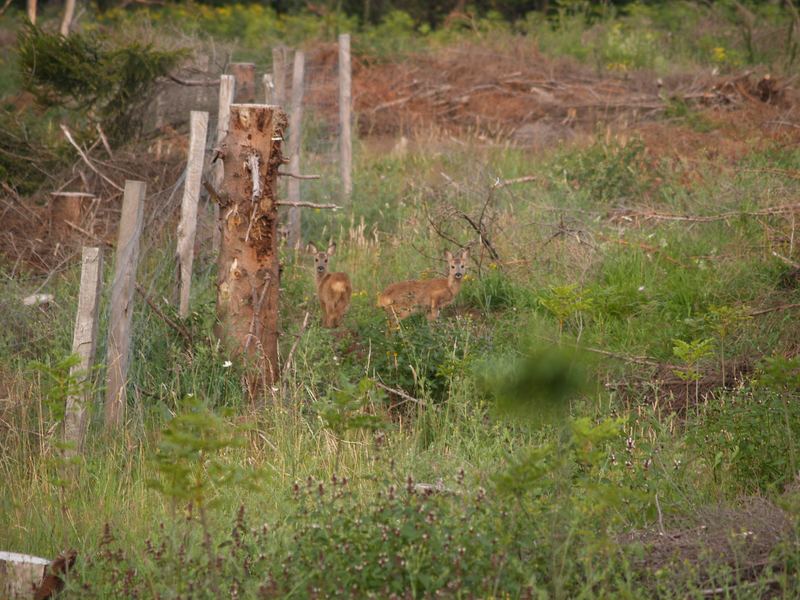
{"x":502,"y":92}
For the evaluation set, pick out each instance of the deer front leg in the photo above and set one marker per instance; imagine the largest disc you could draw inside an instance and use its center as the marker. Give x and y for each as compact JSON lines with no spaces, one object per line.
{"x":434,"y":314}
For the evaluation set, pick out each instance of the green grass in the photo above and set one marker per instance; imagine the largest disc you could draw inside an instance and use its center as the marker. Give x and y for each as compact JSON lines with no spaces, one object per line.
{"x":637,"y":299}
{"x":537,"y":502}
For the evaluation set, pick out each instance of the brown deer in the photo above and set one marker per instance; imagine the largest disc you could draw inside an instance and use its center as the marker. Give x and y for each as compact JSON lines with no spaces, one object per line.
{"x":333,"y":289}
{"x":407,"y":297}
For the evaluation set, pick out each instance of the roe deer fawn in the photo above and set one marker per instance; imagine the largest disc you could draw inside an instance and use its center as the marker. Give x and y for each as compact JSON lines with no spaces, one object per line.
{"x":407,"y":297}
{"x":333,"y":289}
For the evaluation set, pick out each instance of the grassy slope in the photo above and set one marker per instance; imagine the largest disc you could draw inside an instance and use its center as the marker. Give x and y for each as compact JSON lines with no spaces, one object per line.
{"x":644,"y":283}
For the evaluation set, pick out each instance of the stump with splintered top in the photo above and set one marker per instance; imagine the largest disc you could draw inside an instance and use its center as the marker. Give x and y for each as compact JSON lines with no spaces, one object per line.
{"x":248,"y":278}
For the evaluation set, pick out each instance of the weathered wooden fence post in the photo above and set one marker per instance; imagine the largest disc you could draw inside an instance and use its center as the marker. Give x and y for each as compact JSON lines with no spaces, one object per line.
{"x":269,"y":88}
{"x":226,"y":88}
{"x":187,"y":228}
{"x":295,"y":142}
{"x":84,"y":344}
{"x":122,"y":288}
{"x":248,"y":278}
{"x":345,"y":106}
{"x":279,"y":74}
{"x":245,"y":76}
{"x":66,"y":20}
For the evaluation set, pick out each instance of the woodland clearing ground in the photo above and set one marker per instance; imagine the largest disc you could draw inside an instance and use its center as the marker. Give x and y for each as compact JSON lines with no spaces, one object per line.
{"x":585,"y":257}
{"x":656,"y":287}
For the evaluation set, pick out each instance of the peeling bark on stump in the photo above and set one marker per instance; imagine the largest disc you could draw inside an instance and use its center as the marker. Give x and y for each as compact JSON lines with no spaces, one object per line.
{"x":248,"y":279}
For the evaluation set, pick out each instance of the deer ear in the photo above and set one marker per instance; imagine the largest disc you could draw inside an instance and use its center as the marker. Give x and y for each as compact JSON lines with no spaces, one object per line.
{"x":448,"y":255}
{"x":465,"y":254}
{"x":311,"y":248}
{"x":331,"y":249}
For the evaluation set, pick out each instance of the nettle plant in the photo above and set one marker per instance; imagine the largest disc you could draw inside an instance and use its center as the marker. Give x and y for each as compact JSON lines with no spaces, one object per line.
{"x":392,"y":541}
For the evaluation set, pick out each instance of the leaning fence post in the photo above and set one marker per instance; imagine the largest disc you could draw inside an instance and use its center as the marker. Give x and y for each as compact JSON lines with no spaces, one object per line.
{"x":295,"y":141}
{"x":122,"y":288}
{"x":345,"y":106}
{"x":187,"y":228}
{"x":279,"y":74}
{"x":226,"y":87}
{"x":84,"y":344}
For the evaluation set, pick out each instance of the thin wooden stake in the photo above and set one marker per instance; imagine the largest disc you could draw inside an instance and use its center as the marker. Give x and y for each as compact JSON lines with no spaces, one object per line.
{"x":226,"y":88}
{"x":279,"y":74}
{"x":295,"y":138}
{"x":123,"y":286}
{"x":66,"y":20}
{"x":269,"y":88}
{"x":84,"y":344}
{"x":345,"y":106}
{"x":187,"y":228}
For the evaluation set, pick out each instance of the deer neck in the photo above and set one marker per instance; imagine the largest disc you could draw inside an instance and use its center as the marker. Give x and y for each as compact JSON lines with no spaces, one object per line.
{"x":454,"y":285}
{"x":321,"y":277}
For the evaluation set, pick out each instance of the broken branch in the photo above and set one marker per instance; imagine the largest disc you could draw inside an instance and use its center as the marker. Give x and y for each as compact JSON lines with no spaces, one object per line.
{"x":296,"y":176}
{"x":501,"y":183}
{"x":400,"y":393}
{"x":86,"y":158}
{"x":303,"y":204}
{"x":297,"y":337}
{"x":180,"y":329}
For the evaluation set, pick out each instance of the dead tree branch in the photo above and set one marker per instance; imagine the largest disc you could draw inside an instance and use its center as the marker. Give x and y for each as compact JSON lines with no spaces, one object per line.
{"x":778,"y":308}
{"x":194,"y":82}
{"x":303,"y":204}
{"x":177,"y":327}
{"x":296,"y":176}
{"x":400,"y":393}
{"x":297,"y":337}
{"x":86,"y":158}
{"x":501,"y":183}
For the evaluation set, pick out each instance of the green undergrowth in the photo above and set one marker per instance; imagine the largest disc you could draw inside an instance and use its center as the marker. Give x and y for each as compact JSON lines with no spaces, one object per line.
{"x":397,"y":460}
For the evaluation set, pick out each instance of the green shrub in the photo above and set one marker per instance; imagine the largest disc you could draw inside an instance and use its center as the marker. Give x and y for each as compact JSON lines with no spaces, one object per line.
{"x":422,"y":358}
{"x":608,"y":172}
{"x":88,"y":73}
{"x":493,"y":291}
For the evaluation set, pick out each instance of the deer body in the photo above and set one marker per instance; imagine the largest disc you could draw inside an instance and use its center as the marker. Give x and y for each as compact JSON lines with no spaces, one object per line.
{"x":405,"y":298}
{"x":333,"y":289}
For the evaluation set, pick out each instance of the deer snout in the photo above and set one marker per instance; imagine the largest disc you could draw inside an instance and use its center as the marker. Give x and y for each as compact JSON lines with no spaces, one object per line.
{"x":320,"y":268}
{"x":459,"y":275}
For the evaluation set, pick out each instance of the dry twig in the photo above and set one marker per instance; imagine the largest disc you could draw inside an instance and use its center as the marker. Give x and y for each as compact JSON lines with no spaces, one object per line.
{"x":177,"y":327}
{"x":297,"y":337}
{"x":86,"y":159}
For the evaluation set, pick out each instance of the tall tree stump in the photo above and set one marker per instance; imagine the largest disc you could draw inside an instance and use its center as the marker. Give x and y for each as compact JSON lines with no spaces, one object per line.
{"x":20,"y":574}
{"x":248,"y":278}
